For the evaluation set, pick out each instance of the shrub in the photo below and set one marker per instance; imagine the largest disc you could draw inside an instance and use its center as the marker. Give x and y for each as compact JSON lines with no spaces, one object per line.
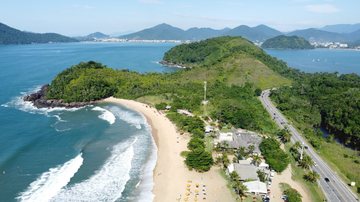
{"x":292,"y":195}
{"x":200,"y":160}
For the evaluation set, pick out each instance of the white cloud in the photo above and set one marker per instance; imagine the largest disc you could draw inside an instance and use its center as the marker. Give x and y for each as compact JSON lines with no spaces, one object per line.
{"x":322,"y":8}
{"x":150,"y":1}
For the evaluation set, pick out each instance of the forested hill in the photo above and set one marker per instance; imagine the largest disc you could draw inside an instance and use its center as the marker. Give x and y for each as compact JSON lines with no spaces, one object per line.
{"x":287,"y":42}
{"x":9,"y":35}
{"x":234,"y":68}
{"x":233,"y":60}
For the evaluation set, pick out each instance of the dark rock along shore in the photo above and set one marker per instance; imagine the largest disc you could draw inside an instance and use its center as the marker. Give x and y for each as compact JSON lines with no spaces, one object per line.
{"x":39,"y":100}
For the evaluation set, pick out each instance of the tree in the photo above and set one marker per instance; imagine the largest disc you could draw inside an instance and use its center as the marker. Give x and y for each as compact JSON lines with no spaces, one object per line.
{"x":256,"y":160}
{"x":258,"y":91}
{"x":284,"y":135}
{"x":274,"y":155}
{"x":261,"y":175}
{"x":312,"y":176}
{"x":250,"y":149}
{"x":241,"y":153}
{"x":199,"y":159}
{"x":306,"y":162}
{"x":297,"y":145}
{"x":234,"y":176}
{"x":240,"y":189}
{"x":292,"y":195}
{"x":196,"y":143}
{"x":225,"y":160}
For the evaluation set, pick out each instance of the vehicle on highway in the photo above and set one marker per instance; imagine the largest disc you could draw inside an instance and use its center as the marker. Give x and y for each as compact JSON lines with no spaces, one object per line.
{"x":327,"y":179}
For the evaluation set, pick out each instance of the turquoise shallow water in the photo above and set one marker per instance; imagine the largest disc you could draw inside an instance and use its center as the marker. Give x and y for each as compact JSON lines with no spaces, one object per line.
{"x":97,"y":153}
{"x":321,"y":60}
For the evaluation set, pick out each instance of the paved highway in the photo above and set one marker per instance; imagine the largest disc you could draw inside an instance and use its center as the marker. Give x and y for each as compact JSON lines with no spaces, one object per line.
{"x":334,"y":188}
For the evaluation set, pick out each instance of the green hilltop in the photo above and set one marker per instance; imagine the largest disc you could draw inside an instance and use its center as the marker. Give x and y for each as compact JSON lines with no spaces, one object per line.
{"x":287,"y":42}
{"x":232,"y":60}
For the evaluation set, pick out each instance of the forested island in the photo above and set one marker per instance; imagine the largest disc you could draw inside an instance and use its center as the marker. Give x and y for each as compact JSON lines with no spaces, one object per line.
{"x":287,"y":42}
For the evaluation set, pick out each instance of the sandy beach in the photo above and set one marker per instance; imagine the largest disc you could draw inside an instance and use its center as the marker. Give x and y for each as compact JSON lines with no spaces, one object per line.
{"x":172,"y":179}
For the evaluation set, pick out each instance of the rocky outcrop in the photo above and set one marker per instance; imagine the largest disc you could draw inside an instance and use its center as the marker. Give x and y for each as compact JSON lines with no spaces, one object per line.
{"x":170,"y":64}
{"x":39,"y":100}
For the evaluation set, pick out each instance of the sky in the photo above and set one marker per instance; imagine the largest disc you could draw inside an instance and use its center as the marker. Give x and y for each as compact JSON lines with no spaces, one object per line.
{"x":81,"y":17}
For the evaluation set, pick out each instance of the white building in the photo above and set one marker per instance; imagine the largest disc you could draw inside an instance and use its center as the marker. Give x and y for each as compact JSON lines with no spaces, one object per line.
{"x":256,"y":187}
{"x":225,"y":137}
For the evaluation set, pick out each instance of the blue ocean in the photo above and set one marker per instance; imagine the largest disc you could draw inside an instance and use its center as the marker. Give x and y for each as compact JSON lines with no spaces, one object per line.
{"x":343,"y":61}
{"x":96,"y":153}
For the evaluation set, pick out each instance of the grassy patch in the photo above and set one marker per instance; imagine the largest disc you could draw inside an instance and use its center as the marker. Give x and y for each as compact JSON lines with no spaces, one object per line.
{"x":315,"y":192}
{"x":342,"y":161}
{"x":153,"y":99}
{"x":284,"y":186}
{"x":209,"y":143}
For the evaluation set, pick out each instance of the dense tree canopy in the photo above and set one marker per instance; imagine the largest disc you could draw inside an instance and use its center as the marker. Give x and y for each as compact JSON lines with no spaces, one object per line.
{"x":325,"y":100}
{"x":287,"y":42}
{"x":274,"y":155}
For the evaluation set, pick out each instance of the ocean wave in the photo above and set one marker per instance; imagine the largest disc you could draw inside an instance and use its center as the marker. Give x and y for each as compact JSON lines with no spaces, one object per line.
{"x":129,"y":117}
{"x":108,"y":183}
{"x":106,"y":115}
{"x":147,"y":183}
{"x":27,"y":106}
{"x":51,"y":182}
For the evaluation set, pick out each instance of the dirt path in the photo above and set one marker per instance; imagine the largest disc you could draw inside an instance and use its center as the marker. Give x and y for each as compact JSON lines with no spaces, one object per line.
{"x":286,"y":177}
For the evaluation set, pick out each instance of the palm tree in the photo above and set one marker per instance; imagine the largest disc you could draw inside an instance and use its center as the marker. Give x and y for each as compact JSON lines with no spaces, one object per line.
{"x":256,"y":160}
{"x":286,"y":137}
{"x":297,"y":145}
{"x":306,"y":162}
{"x":225,"y":160}
{"x":241,"y":153}
{"x":312,"y":176}
{"x":240,"y":189}
{"x":234,"y":176}
{"x":250,"y":149}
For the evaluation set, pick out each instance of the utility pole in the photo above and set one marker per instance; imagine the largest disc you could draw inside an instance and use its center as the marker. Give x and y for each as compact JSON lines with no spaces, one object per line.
{"x":302,"y":151}
{"x":205,"y":91}
{"x":204,"y":102}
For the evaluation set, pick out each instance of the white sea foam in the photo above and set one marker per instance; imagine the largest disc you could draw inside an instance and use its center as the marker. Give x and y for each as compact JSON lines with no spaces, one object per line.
{"x":51,"y":182}
{"x":147,"y":183}
{"x":106,"y":115}
{"x":129,"y":117}
{"x":27,"y":106}
{"x":108,"y":183}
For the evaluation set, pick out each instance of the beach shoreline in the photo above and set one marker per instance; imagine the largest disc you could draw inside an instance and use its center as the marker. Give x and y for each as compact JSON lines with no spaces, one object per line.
{"x":172,"y":179}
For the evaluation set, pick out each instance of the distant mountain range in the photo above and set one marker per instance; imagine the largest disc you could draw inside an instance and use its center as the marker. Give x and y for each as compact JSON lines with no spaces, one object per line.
{"x":92,"y":37}
{"x":259,"y":33}
{"x":349,"y":33}
{"x":168,"y":32}
{"x":9,"y":35}
{"x":342,"y":28}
